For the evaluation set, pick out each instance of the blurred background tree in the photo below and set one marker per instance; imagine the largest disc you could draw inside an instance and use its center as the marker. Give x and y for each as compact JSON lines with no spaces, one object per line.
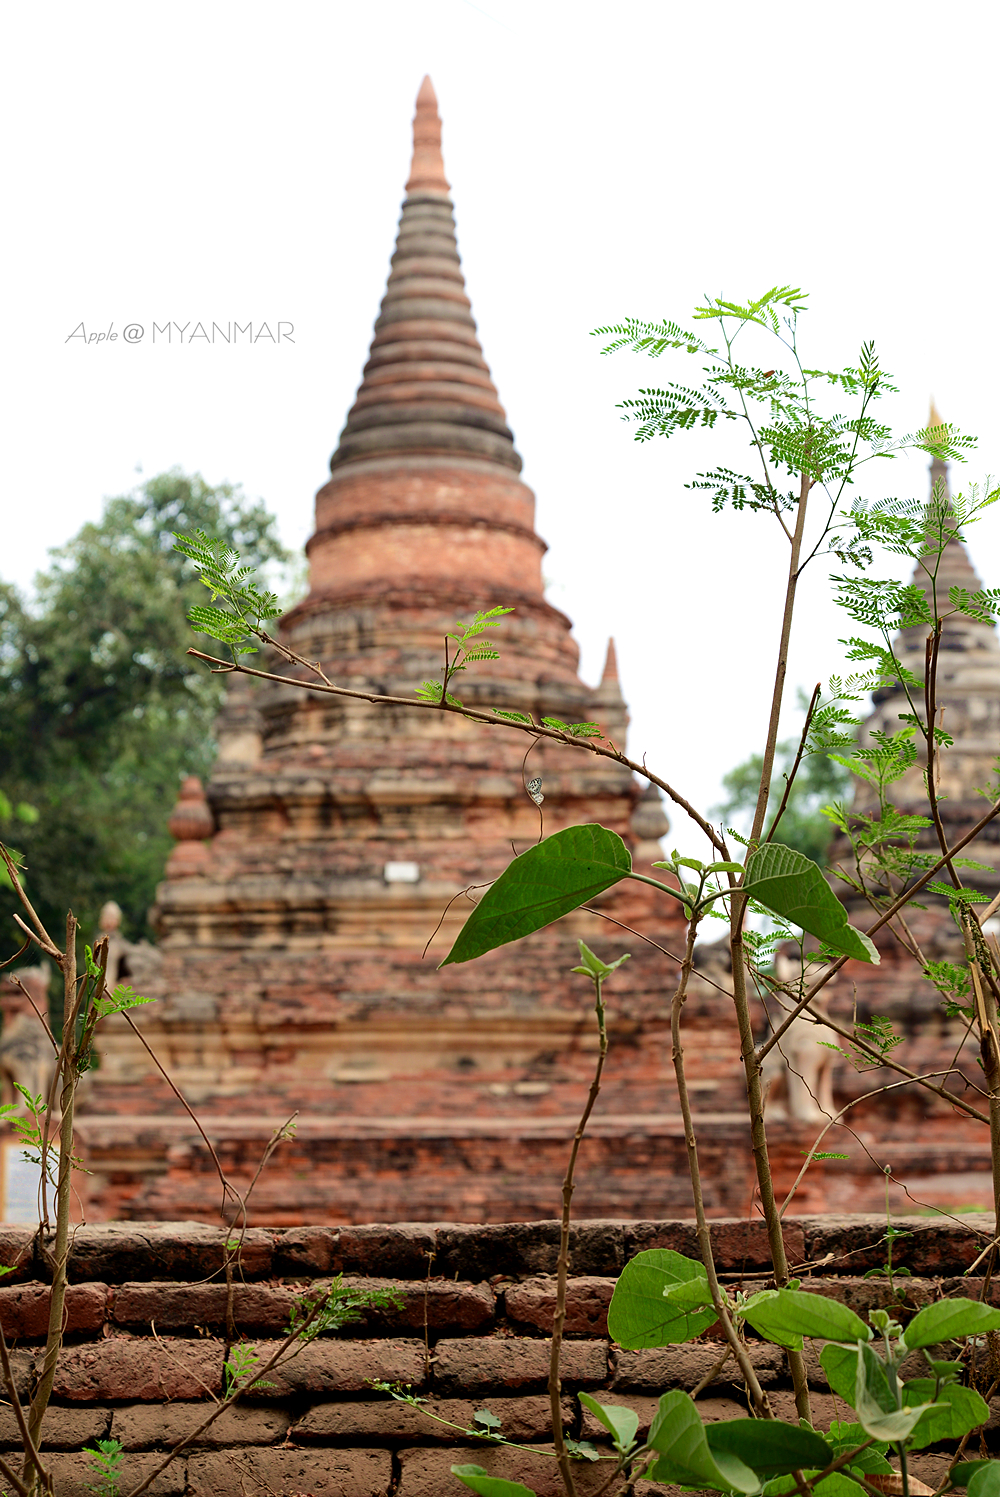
{"x":819,"y":781}
{"x":101,"y":709}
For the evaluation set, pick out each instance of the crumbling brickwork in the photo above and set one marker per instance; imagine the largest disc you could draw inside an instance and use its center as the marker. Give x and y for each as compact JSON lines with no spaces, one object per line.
{"x":471,"y":1334}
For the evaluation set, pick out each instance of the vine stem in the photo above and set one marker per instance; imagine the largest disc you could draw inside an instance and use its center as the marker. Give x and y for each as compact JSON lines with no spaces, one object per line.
{"x":751,"y":1061}
{"x":562,"y":1267}
{"x":60,"y":1254}
{"x":758,"y":1397}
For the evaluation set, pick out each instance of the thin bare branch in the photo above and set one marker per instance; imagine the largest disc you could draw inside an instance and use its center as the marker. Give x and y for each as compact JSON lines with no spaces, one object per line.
{"x":589,"y":745}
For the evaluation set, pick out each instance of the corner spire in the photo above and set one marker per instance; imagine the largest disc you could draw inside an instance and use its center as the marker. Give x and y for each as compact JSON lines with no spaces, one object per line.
{"x":427,"y":166}
{"x":610,"y":673}
{"x":939,"y":468}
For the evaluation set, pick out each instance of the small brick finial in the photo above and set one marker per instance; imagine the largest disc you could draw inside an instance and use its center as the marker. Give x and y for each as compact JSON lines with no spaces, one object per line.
{"x":610,"y":672}
{"x":190,"y":823}
{"x":427,"y":167}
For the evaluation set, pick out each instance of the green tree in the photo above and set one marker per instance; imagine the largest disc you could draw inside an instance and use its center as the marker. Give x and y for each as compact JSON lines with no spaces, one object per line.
{"x":101,"y":709}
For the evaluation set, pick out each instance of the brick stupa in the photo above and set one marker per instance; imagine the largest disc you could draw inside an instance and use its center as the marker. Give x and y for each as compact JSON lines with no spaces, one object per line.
{"x":334,"y":836}
{"x":309,"y":876}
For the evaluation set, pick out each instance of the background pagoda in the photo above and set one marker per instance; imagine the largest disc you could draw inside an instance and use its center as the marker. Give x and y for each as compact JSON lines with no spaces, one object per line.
{"x":304,"y":889}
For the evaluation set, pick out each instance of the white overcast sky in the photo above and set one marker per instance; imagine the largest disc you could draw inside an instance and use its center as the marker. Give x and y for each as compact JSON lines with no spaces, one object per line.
{"x":200,"y":161}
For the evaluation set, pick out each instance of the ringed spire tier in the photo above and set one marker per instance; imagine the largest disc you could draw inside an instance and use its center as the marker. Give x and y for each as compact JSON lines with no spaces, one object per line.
{"x":425,"y":496}
{"x":426,"y":386}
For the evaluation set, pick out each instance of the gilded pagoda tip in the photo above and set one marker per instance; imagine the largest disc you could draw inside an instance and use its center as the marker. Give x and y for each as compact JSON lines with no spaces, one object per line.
{"x":427,"y":166}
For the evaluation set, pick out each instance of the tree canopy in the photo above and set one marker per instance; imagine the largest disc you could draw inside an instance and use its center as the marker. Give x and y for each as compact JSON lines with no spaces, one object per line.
{"x":101,"y":709}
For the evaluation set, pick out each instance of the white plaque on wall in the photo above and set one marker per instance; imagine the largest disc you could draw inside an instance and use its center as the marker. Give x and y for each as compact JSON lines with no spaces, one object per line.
{"x":19,"y":1181}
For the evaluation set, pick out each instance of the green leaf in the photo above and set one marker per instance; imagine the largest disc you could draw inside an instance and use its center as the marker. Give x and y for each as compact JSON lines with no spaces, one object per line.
{"x":793,"y":887}
{"x":641,"y":1314}
{"x":489,"y":1486}
{"x":591,"y":966}
{"x":949,"y":1320}
{"x":795,"y":1312}
{"x":685,"y":1457}
{"x":581,"y":1450}
{"x":959,"y":1410}
{"x":550,"y":879}
{"x":875,"y":1405}
{"x":621,"y":1422}
{"x":756,"y":1306}
{"x":839,"y":1484}
{"x":769,"y":1446}
{"x":845,"y":1437}
{"x":980,"y":1478}
{"x":840,"y":1363}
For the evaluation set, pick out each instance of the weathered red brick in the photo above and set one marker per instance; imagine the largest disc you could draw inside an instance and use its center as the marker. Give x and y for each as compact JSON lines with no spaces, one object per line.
{"x":448,"y":1306}
{"x":481,"y":1362}
{"x":326,"y":1473}
{"x":825,"y":1408}
{"x":426,"y":1471}
{"x":24,"y":1309}
{"x":663,"y":1367}
{"x":341,"y":1421}
{"x":737,"y":1243}
{"x":119,"y":1251}
{"x":63,"y":1429}
{"x":17,"y":1252}
{"x":334,"y":1366}
{"x":856,"y":1243}
{"x":182,"y":1307}
{"x":76,"y":1477}
{"x":145,"y":1426}
{"x":386,"y":1251}
{"x":479,"y":1252}
{"x":124,"y":1368}
{"x":533,"y":1302}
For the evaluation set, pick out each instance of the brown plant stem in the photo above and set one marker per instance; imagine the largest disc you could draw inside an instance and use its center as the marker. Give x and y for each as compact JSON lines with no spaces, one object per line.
{"x":30,"y":1448}
{"x":758,"y":1397}
{"x":562,"y":1267}
{"x":60,"y":1253}
{"x":751,"y":1060}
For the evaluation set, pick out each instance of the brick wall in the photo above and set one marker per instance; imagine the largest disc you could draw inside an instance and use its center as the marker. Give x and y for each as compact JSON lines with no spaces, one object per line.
{"x":145,"y":1344}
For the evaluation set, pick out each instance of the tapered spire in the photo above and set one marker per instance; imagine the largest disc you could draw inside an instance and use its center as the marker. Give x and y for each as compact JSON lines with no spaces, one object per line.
{"x":939,"y":468}
{"x":426,"y":388}
{"x":427,"y":167}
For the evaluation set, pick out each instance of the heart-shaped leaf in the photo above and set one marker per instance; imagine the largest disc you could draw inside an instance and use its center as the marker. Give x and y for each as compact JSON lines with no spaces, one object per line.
{"x":642,"y":1313}
{"x":957,"y":1411}
{"x":685,"y":1456}
{"x":950,"y":1320}
{"x":486,"y":1485}
{"x":557,"y":875}
{"x":621,"y":1422}
{"x":769,"y":1446}
{"x":783,"y":1314}
{"x":793,"y":886}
